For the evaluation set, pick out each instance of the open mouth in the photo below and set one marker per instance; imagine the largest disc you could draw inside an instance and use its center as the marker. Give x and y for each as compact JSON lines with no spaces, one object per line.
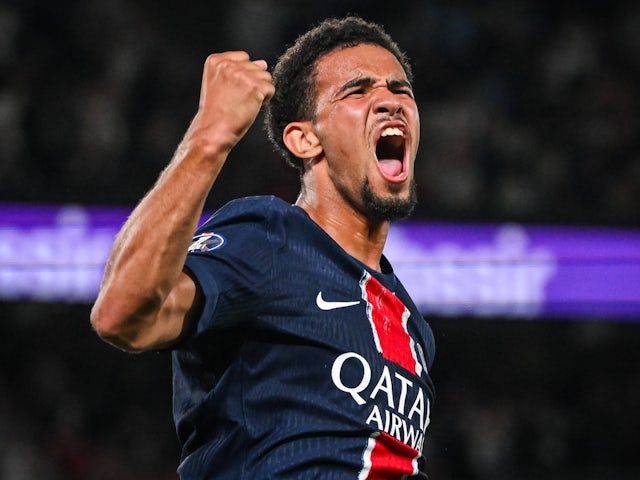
{"x":390,"y":152}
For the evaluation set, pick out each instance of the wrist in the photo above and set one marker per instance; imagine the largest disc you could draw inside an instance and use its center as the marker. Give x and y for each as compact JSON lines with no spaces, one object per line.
{"x":206,"y":150}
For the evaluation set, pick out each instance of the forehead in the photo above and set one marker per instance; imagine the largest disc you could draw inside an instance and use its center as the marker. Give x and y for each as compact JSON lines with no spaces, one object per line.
{"x":339,"y":66}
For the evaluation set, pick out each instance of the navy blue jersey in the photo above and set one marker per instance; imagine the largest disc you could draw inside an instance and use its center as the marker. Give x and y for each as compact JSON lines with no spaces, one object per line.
{"x":304,"y":363}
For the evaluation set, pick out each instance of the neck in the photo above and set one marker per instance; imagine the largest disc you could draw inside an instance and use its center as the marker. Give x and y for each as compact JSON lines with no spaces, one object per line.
{"x":360,"y":237}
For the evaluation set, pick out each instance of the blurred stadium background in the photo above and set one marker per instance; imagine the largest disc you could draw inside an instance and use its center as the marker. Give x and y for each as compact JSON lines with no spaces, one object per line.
{"x":531,"y":117}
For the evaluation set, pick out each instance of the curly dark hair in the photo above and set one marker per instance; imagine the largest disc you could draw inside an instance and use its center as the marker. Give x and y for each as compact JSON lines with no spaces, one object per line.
{"x":293,"y":75}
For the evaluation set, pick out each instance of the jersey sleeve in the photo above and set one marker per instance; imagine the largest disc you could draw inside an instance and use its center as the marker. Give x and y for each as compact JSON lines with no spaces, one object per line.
{"x":231,"y":259}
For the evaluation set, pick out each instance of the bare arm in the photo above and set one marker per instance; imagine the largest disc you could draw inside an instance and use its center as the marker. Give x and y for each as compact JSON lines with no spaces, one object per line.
{"x":146,"y":300}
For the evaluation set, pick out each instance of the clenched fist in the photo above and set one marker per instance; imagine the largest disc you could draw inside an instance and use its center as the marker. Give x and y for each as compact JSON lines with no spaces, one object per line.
{"x":233,"y":90}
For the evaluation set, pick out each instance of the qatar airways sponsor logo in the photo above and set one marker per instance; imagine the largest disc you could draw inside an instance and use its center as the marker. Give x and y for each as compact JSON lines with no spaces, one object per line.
{"x":396,"y":404}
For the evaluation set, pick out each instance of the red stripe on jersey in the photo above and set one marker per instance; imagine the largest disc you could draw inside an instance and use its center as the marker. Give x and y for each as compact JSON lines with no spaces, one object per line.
{"x":387,"y":458}
{"x":388,"y":317}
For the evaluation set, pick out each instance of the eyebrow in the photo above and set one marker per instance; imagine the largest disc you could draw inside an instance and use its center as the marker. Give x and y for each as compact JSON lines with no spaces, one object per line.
{"x":399,"y":83}
{"x":368,"y":81}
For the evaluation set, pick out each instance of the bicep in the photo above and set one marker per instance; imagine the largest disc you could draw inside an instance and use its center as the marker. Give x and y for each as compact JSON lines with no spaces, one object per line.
{"x":179,"y":312}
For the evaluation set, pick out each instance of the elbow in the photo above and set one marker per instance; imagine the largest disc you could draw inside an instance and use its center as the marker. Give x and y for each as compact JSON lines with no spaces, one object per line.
{"x":115,"y":329}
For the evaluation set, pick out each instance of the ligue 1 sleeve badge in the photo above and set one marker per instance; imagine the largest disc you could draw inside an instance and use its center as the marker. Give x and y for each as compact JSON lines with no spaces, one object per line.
{"x":206,"y":242}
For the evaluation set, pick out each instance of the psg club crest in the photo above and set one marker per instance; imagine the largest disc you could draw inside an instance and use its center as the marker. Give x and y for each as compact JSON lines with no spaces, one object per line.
{"x":207,"y":241}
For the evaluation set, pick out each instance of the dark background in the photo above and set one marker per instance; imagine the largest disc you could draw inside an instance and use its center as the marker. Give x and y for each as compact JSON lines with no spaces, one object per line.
{"x":530,"y":113}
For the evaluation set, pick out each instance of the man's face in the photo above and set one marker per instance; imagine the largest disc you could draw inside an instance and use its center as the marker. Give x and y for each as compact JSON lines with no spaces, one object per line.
{"x":368,"y":124}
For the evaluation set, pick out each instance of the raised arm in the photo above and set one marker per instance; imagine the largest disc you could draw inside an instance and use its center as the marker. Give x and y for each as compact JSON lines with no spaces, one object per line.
{"x":146,"y":300}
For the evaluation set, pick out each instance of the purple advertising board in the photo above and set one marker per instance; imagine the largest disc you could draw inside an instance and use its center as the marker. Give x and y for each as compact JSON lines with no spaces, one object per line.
{"x":57,"y":253}
{"x":518,"y":270}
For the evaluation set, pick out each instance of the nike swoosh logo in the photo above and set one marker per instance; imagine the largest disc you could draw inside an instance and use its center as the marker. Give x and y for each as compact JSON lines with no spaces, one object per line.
{"x":324,"y":305}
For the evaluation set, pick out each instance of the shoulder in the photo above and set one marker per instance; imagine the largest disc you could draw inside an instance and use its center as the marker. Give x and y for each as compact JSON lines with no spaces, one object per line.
{"x":244,"y":222}
{"x":254,"y":209}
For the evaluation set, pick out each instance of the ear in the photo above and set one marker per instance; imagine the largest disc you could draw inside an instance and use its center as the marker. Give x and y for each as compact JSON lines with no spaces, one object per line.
{"x":301,"y":140}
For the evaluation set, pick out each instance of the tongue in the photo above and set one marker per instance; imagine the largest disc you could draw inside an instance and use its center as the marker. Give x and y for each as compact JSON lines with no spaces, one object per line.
{"x":391,"y":167}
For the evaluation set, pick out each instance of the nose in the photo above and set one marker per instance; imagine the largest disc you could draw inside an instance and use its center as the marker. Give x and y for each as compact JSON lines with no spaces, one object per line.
{"x":387,"y":102}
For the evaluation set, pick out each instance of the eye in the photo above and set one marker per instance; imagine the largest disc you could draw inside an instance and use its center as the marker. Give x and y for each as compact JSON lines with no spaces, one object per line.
{"x":400,"y":88}
{"x":404,"y":91}
{"x":356,"y":92}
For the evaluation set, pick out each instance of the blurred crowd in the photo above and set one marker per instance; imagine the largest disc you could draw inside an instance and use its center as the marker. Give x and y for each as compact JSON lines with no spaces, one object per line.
{"x":530,"y":112}
{"x":530,"y":109}
{"x":73,"y":408}
{"x":515,"y":400}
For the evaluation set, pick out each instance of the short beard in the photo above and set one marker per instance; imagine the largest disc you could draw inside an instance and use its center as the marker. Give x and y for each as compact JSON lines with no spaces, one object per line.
{"x":387,"y":209}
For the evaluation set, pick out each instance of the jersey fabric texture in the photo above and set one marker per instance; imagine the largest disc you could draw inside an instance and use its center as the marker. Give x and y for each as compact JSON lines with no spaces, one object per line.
{"x":304,"y":363}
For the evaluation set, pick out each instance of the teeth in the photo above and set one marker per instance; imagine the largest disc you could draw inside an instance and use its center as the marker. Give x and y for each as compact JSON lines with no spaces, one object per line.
{"x":389,"y":131}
